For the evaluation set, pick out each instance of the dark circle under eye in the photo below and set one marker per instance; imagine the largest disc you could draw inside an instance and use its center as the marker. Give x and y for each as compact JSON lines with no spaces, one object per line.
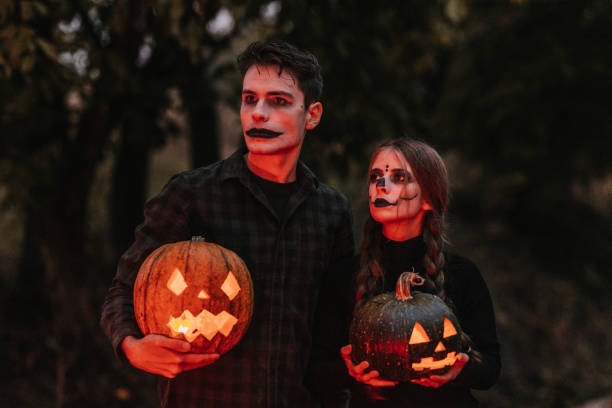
{"x":373,"y":178}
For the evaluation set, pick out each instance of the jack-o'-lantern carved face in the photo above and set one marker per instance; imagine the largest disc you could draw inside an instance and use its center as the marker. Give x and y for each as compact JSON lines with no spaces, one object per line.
{"x":438,"y":358}
{"x":205,"y":323}
{"x":195,"y":291}
{"x":405,"y":337}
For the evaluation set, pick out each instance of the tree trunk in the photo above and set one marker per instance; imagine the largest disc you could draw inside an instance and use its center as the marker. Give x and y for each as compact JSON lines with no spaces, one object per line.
{"x":128,"y":192}
{"x":63,"y":242}
{"x":203,"y":135}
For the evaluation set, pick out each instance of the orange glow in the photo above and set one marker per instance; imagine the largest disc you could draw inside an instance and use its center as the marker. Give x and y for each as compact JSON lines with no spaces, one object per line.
{"x":449,"y":329}
{"x":205,"y":324}
{"x":430,"y":363}
{"x":419,"y":335}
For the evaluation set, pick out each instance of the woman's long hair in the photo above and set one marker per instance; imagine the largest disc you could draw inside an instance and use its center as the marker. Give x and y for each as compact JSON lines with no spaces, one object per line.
{"x":430,"y":172}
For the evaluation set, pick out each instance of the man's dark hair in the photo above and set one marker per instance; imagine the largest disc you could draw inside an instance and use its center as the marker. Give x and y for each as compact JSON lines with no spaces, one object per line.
{"x":301,"y":64}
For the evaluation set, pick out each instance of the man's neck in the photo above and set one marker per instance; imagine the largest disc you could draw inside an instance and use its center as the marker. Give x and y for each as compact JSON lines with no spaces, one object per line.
{"x":278,"y":168}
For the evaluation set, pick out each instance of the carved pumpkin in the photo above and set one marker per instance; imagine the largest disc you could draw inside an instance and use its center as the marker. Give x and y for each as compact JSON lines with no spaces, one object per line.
{"x":195,"y":291}
{"x":405,"y":336}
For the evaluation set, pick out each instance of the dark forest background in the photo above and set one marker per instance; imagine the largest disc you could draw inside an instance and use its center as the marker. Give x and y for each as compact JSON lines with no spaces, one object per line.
{"x":102,"y":100}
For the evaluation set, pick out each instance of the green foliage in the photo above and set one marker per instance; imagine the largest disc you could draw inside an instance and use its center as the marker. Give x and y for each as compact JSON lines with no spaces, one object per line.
{"x":524,"y":99}
{"x":379,"y":61}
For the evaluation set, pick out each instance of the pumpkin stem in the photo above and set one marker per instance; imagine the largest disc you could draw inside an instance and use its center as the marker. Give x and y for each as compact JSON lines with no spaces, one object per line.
{"x":406,"y":279}
{"x":199,"y":238}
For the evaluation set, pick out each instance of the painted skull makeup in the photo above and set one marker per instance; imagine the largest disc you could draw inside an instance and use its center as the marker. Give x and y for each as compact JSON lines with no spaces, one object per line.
{"x":396,"y":177}
{"x":394,"y":193}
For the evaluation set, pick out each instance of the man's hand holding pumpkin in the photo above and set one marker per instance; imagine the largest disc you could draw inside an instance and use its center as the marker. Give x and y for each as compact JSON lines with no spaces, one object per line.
{"x":162,"y":355}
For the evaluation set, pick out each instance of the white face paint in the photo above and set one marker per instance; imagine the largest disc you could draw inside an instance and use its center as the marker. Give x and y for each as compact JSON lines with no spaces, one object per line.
{"x":272,"y":113}
{"x":396,"y":199}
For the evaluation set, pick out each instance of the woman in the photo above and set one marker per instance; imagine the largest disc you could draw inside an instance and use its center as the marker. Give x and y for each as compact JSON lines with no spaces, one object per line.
{"x":408,"y":198}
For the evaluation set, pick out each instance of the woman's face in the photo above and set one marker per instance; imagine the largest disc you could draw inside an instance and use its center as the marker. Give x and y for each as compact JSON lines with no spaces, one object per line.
{"x":395,"y":196}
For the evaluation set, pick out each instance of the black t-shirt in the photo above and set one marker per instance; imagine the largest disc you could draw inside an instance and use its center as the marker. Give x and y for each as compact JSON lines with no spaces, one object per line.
{"x":277,"y":193}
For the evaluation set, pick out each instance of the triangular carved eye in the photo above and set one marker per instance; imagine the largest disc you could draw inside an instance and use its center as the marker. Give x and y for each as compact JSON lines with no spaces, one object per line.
{"x":176,"y":283}
{"x":449,"y":329}
{"x":419,"y":335}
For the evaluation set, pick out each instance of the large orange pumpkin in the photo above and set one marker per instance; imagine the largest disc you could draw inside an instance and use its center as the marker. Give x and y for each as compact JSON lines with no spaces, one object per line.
{"x":195,"y":291}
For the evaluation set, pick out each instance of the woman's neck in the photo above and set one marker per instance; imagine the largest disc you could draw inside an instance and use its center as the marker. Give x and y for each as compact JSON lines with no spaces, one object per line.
{"x":403,"y":230}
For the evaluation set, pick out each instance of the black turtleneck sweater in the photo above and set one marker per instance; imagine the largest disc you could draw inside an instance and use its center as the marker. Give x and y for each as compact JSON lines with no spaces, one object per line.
{"x":469,"y":294}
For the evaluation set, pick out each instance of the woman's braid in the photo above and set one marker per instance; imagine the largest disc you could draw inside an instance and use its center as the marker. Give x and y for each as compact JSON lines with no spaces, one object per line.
{"x":433,"y":236}
{"x":370,"y":272}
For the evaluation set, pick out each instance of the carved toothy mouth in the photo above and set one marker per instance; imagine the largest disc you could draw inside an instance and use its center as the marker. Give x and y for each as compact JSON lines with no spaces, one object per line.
{"x":205,"y":324}
{"x":429,"y":363}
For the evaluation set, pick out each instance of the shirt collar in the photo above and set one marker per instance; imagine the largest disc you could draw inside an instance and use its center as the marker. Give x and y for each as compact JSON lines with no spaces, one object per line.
{"x":235,"y":167}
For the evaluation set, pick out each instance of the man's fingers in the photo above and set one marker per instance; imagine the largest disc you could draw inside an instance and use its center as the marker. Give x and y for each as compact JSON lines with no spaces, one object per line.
{"x":185,"y":362}
{"x":192,"y":360}
{"x":180,"y":346}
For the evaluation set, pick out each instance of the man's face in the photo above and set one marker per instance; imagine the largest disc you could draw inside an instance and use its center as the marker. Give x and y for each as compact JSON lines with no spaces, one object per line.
{"x":394,"y":192}
{"x":274,"y":119}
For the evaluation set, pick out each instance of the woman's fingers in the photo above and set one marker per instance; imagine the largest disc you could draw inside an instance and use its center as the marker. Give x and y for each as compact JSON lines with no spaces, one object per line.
{"x":439,"y":380}
{"x":358,"y":371}
{"x":361,"y":367}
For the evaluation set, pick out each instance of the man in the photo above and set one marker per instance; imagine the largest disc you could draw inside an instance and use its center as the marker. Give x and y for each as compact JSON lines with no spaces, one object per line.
{"x":292,"y":231}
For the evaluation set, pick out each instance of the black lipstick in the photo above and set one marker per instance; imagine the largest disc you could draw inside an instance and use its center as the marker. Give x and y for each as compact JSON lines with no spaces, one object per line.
{"x":263,"y":133}
{"x":381,"y":202}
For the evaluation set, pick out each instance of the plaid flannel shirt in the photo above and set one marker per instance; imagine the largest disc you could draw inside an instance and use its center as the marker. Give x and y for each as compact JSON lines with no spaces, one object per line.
{"x":292,"y":262}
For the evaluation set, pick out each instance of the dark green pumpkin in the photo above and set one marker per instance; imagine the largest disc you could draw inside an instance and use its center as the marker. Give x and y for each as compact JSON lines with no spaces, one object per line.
{"x":405,"y":336}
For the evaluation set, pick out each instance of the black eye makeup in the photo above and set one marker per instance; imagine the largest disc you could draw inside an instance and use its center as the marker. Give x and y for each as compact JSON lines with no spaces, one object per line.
{"x":400,"y":176}
{"x":397,"y":176}
{"x":375,"y":174}
{"x":248,"y":99}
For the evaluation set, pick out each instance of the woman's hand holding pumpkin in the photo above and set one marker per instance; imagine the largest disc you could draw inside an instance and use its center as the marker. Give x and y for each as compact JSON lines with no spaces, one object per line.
{"x":358,"y":371}
{"x":439,"y":380}
{"x":162,"y":355}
